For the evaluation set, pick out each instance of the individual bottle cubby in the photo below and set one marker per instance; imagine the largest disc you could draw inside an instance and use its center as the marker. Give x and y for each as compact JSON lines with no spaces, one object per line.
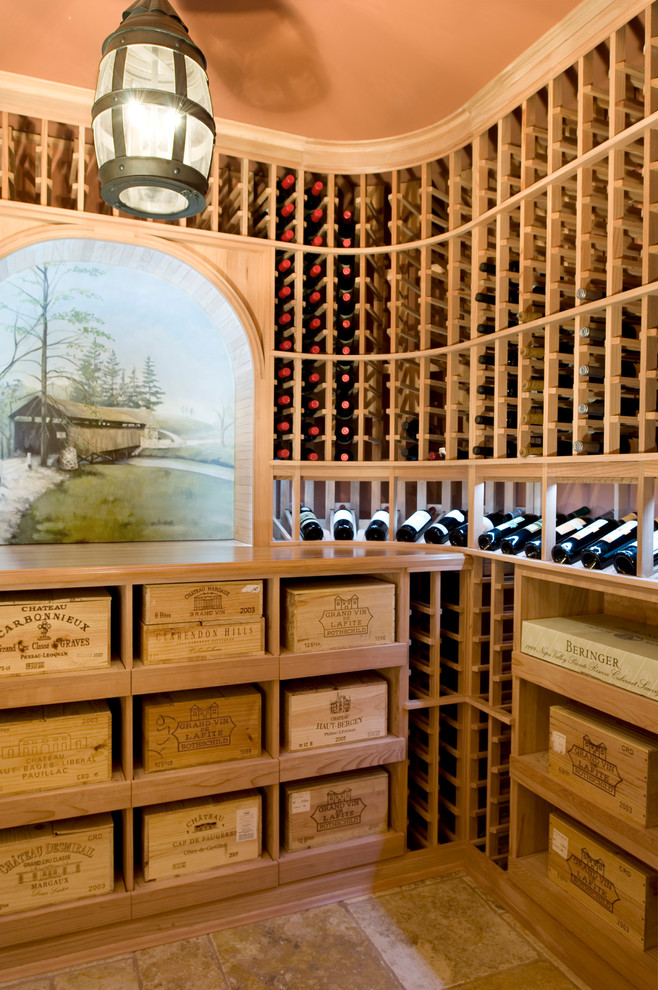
{"x":595,"y":97}
{"x":510,"y":158}
{"x":375,"y":300}
{"x":493,"y":788}
{"x":459,"y":289}
{"x":485,"y":171}
{"x":534,"y":138}
{"x":439,"y":196}
{"x":423,"y":779}
{"x":453,"y":732}
{"x":553,"y":285}
{"x":493,"y":620}
{"x":375,"y":209}
{"x":259,"y":212}
{"x":232,"y":194}
{"x":563,"y":118}
{"x":405,"y":206}
{"x":406,"y":301}
{"x":436,"y":300}
{"x":317,"y":206}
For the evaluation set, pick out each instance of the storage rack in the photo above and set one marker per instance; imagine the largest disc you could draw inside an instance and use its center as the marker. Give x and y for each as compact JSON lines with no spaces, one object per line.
{"x":549,"y":181}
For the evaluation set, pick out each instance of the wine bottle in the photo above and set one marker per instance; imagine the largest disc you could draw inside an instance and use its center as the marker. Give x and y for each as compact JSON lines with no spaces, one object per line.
{"x":310,"y":453}
{"x":313,"y":267}
{"x":515,"y":542}
{"x":345,"y":276}
{"x":441,"y":528}
{"x":343,"y":524}
{"x":492,"y":538}
{"x":591,"y":291}
{"x":625,"y":560}
{"x":286,"y":184}
{"x":344,"y":408}
{"x":574,"y":521}
{"x":410,"y":427}
{"x":283,"y":426}
{"x":344,"y":376}
{"x":414,"y":526}
{"x":490,"y":267}
{"x":284,"y":371}
{"x":570,"y":548}
{"x":312,"y":430}
{"x":601,"y":553}
{"x":309,"y":525}
{"x":313,"y":195}
{"x":284,"y":265}
{"x":346,"y":229}
{"x":344,"y":455}
{"x":377,"y":528}
{"x":459,"y":535}
{"x":283,"y":452}
{"x":487,"y":327}
{"x":409,"y":452}
{"x":344,"y":434}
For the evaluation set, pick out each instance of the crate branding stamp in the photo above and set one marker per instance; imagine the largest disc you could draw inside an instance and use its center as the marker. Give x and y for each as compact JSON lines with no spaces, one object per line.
{"x":204,"y":728}
{"x":346,"y":618}
{"x":589,"y":763}
{"x":339,"y":810}
{"x":588,"y":875}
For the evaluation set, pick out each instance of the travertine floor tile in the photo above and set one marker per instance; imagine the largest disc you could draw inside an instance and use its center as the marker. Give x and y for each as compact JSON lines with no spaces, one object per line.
{"x":319,"y":949}
{"x":109,"y":974}
{"x":539,"y":975}
{"x":188,"y":965}
{"x":440,"y":932}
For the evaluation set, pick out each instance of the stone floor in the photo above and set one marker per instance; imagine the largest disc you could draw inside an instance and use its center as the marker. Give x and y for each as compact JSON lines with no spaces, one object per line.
{"x":432,"y":935}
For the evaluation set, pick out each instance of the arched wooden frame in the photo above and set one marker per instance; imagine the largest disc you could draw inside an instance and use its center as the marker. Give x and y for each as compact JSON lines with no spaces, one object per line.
{"x":196,"y":279}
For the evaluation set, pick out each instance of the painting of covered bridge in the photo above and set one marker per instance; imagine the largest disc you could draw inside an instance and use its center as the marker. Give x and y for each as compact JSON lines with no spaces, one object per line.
{"x":98,"y":434}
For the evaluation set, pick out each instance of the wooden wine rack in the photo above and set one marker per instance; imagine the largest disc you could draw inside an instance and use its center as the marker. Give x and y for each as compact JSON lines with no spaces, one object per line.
{"x":471,"y":242}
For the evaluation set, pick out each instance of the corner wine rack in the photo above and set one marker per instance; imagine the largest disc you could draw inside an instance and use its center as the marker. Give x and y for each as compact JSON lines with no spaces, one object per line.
{"x":464,"y":318}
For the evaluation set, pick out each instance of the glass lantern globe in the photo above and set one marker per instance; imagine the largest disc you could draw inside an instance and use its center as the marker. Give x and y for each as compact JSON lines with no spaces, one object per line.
{"x":154,"y":131}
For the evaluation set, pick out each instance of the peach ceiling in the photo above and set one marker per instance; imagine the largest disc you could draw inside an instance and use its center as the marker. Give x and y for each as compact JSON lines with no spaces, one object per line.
{"x":328,"y":69}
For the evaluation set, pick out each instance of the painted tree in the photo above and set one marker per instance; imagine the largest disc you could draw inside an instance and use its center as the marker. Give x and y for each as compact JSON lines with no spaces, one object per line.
{"x":152,"y":394}
{"x":87,"y":384}
{"x":111,"y":381}
{"x":47,"y":330}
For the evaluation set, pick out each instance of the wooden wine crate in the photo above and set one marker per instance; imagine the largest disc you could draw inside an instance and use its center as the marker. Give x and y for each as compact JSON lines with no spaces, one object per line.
{"x":201,"y":834}
{"x":55,"y":746}
{"x":607,"y":761}
{"x":618,"y":651}
{"x":192,"y":641}
{"x":46,"y":631}
{"x":328,"y":711}
{"x":56,"y":861}
{"x":337,"y":614}
{"x":190,"y":728}
{"x":326,"y":810}
{"x":201,"y":602}
{"x":619,"y":891}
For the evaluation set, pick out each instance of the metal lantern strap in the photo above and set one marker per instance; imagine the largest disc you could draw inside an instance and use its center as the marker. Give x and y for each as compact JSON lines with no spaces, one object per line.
{"x":152,"y":117}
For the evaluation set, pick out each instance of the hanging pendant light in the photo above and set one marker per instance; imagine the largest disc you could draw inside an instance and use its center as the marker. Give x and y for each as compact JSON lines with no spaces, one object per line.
{"x":152,"y":117}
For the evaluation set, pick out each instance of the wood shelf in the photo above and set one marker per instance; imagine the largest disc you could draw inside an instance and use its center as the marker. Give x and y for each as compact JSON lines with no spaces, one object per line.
{"x":194,"y":782}
{"x":346,"y":756}
{"x":632,"y":708}
{"x":153,"y":897}
{"x":531,"y":771}
{"x":341,"y":661}
{"x":65,"y":802}
{"x":341,"y":856}
{"x":530,"y":874}
{"x":75,"y":685}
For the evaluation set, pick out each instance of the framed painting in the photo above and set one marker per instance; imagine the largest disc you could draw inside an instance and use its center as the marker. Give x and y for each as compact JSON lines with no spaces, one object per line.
{"x":117,"y":407}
